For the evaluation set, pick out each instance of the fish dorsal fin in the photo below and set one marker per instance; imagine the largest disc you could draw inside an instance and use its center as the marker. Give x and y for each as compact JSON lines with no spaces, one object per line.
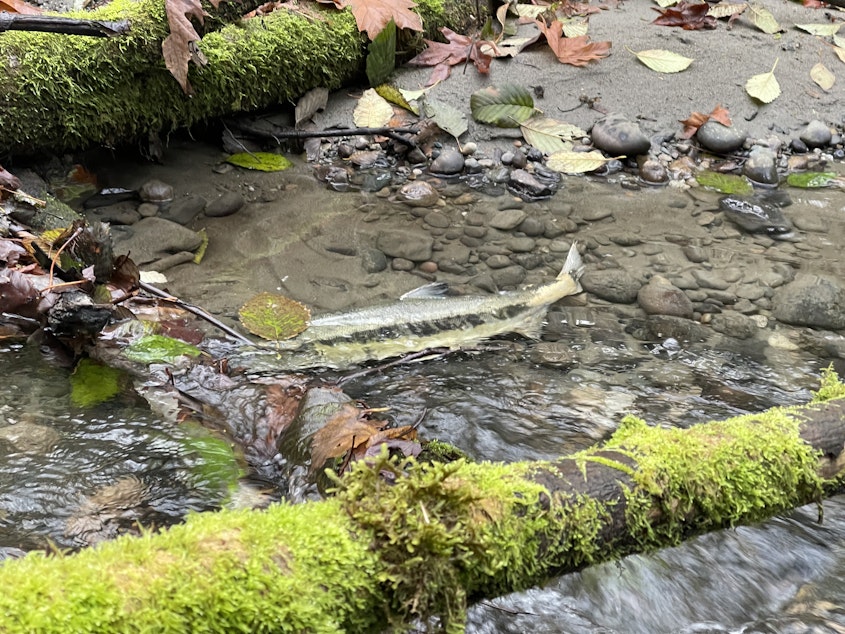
{"x":435,"y":290}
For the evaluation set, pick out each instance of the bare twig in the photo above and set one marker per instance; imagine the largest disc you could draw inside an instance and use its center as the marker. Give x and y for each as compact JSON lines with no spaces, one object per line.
{"x":55,"y":24}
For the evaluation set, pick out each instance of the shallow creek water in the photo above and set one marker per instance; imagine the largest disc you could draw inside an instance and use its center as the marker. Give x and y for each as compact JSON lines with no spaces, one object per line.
{"x":510,"y":401}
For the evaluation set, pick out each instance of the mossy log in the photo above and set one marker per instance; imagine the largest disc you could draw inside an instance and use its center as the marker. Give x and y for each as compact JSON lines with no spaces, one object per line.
{"x":63,"y":92}
{"x":399,"y":541}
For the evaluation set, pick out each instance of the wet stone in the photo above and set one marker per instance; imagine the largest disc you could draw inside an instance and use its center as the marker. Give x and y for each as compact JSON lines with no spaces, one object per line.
{"x":415,"y":246}
{"x":156,"y":191}
{"x":710,"y":279}
{"x":437,"y":219}
{"x":613,"y":285}
{"x":508,"y":219}
{"x":653,"y":172}
{"x":666,"y":326}
{"x":508,"y":276}
{"x":123,"y":213}
{"x":695,"y":254}
{"x":499,"y":175}
{"x":449,"y":162}
{"x":373,"y":261}
{"x":475,"y":232}
{"x":225,"y":205}
{"x":625,"y":239}
{"x":553,"y":354}
{"x":616,"y":135}
{"x":418,"y":194}
{"x":761,"y":166}
{"x":401,"y":264}
{"x":816,"y":134}
{"x":521,"y":245}
{"x":661,"y":297}
{"x":552,"y":228}
{"x":525,"y":184}
{"x":811,"y":300}
{"x":754,"y":216}
{"x":184,"y":210}
{"x":719,"y":138}
{"x":532,"y":227}
{"x":592,"y":214}
{"x":811,"y":221}
{"x":734,"y":325}
{"x":151,"y":239}
{"x":528,"y":261}
{"x":498,"y":261}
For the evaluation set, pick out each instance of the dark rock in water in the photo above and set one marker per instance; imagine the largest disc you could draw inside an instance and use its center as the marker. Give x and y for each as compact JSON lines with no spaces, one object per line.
{"x":415,"y":246}
{"x":614,"y":285}
{"x":720,"y":138}
{"x":734,"y":324}
{"x":526,"y":186}
{"x":617,"y":136}
{"x":154,"y":238}
{"x":418,"y":194}
{"x":816,"y":134}
{"x":449,"y":162}
{"x":811,"y":300}
{"x":754,"y":216}
{"x":508,"y":219}
{"x":666,"y":326}
{"x":761,"y":166}
{"x":661,"y":297}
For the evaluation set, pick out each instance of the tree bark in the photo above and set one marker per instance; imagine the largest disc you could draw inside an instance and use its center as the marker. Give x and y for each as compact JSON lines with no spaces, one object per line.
{"x":400,"y":541}
{"x":65,"y":93}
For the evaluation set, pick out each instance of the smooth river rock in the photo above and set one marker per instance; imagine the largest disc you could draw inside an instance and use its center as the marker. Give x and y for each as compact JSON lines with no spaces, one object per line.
{"x":719,"y":138}
{"x":613,"y":285}
{"x":811,"y":300}
{"x":661,"y":297}
{"x":152,"y":239}
{"x":415,"y":246}
{"x":618,"y":136}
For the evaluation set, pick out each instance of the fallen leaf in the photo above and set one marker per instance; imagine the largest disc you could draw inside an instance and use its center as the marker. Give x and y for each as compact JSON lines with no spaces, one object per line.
{"x":688,"y":15}
{"x":19,"y":7}
{"x":577,"y":51}
{"x":179,"y":47}
{"x":698,"y":119}
{"x":550,"y":136}
{"x":570,"y":162}
{"x":763,"y":19}
{"x":309,"y":104}
{"x":575,"y":27}
{"x":568,"y":8}
{"x":9,"y":180}
{"x":822,"y":30}
{"x":344,"y":431}
{"x":504,"y":106}
{"x":447,"y":117}
{"x":458,"y":50}
{"x":764,"y":87}
{"x":663,"y":61}
{"x":532,"y":11}
{"x":372,"y":111}
{"x":727,"y":10}
{"x":373,"y":15}
{"x":274,"y":317}
{"x":840,"y":53}
{"x":822,"y":76}
{"x":397,"y":97}
{"x":261,"y":161}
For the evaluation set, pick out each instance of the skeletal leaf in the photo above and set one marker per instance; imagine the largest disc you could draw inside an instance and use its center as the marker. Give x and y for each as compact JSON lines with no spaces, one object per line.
{"x":822,"y":76}
{"x":575,"y":27}
{"x":727,"y":9}
{"x":372,"y":111}
{"x":570,"y":162}
{"x":310,"y":103}
{"x":504,"y":106}
{"x":274,"y":317}
{"x":822,"y":30}
{"x":663,"y":61}
{"x":448,"y":118}
{"x":763,"y":19}
{"x":764,"y":87}
{"x":381,"y":55}
{"x":548,"y":135}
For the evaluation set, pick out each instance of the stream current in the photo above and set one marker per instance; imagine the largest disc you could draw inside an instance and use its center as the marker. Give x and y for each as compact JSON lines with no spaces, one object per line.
{"x":72,"y":475}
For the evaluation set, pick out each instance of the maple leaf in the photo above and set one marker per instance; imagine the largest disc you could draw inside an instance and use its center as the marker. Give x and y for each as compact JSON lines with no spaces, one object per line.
{"x":577,"y":51}
{"x":690,"y":16}
{"x":459,"y":49}
{"x":698,"y":119}
{"x":373,"y":15}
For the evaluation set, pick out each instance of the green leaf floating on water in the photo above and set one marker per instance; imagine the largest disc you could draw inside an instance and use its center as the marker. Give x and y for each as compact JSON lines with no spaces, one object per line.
{"x":159,"y":349}
{"x":810,"y":180}
{"x":725,"y":183}
{"x":92,"y":383}
{"x":262,"y":161}
{"x":504,"y":106}
{"x":215,"y":463}
{"x":274,"y":317}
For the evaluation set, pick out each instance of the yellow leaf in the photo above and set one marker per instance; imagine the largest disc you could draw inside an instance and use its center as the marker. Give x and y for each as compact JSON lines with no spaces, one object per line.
{"x":822,"y":76}
{"x":726,"y":9}
{"x":372,"y":111}
{"x":576,"y":162}
{"x":764,"y":20}
{"x":664,"y":61}
{"x":575,"y":27}
{"x":764,"y":87}
{"x":822,"y":30}
{"x":840,"y":53}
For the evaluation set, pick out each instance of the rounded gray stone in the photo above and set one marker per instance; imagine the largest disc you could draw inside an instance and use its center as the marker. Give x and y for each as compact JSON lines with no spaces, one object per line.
{"x":719,"y":138}
{"x":508,"y":276}
{"x":184,"y":210}
{"x":811,"y":300}
{"x":661,"y":297}
{"x":616,"y":135}
{"x":508,"y":219}
{"x":156,"y":191}
{"x":816,"y":134}
{"x":415,"y":246}
{"x":613,"y":285}
{"x":734,"y":324}
{"x":449,"y":162}
{"x":761,"y":166}
{"x":225,"y":205}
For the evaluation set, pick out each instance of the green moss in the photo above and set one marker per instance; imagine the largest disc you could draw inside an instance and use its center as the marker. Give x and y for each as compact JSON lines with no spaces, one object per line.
{"x":159,"y":349}
{"x":831,"y":386}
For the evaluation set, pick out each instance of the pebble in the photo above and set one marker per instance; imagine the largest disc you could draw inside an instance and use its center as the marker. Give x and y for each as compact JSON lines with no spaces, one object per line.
{"x":661,"y":297}
{"x":156,"y":191}
{"x":761,"y":165}
{"x":710,"y":279}
{"x":152,"y":239}
{"x":366,"y":159}
{"x":183,"y":210}
{"x":618,"y":136}
{"x":653,"y":172}
{"x":811,"y":300}
{"x":498,"y":261}
{"x":613,"y":285}
{"x":553,"y":354}
{"x":734,"y":325}
{"x":754,"y":216}
{"x":448,"y":163}
{"x":666,"y":326}
{"x":719,"y":138}
{"x":508,"y":219}
{"x":695,"y":254}
{"x":437,"y":219}
{"x":816,"y":134}
{"x":751,"y":292}
{"x":373,"y":260}
{"x":225,"y":205}
{"x":418,"y":194}
{"x":521,"y":245}
{"x":509,"y":276}
{"x":532,"y":227}
{"x":472,"y":166}
{"x":401,"y":264}
{"x":593,"y":214}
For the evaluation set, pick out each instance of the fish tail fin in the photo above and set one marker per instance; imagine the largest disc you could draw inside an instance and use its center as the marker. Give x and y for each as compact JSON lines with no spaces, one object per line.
{"x":574,"y":265}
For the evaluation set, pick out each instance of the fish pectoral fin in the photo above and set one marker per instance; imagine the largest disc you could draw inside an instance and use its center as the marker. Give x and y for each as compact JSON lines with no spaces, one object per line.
{"x":435,"y":290}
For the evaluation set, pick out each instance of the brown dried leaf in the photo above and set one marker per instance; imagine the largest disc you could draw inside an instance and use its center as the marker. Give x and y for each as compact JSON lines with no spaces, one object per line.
{"x":9,"y":180}
{"x":373,"y":15}
{"x":176,"y":47}
{"x":343,"y":432}
{"x":457,"y":51}
{"x":19,"y":7}
{"x":577,"y":51}
{"x":688,"y":15}
{"x":698,"y":119}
